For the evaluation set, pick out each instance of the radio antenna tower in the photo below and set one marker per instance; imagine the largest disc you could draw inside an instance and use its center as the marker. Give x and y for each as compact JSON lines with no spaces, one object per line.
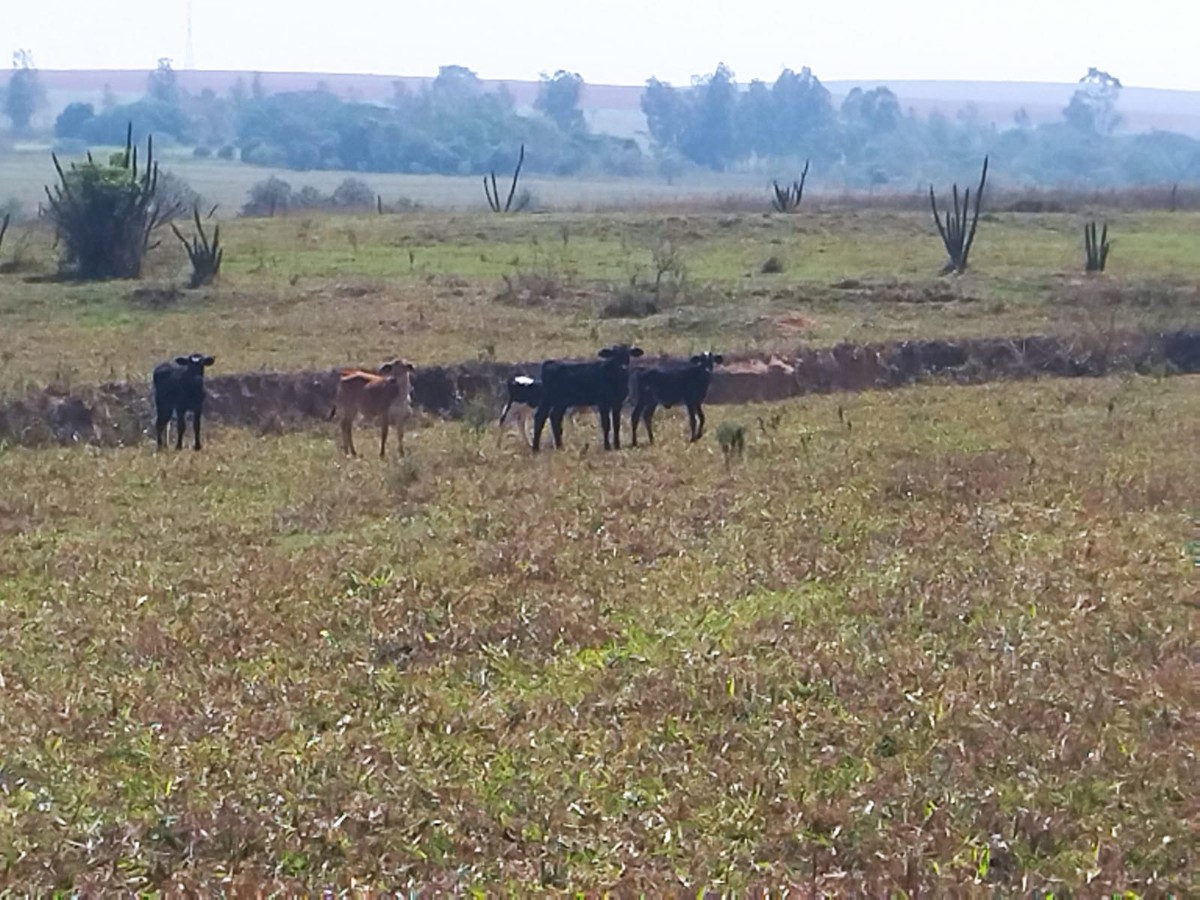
{"x":189,"y":56}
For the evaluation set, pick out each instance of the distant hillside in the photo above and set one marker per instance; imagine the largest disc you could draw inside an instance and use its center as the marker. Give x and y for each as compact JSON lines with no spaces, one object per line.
{"x":617,"y":107}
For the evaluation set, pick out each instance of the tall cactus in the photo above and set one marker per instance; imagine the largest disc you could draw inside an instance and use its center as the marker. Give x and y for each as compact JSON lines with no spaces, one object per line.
{"x":957,"y":235}
{"x":787,"y":199}
{"x":1095,"y":251}
{"x":204,"y":255}
{"x":493,"y":194}
{"x":106,"y":215}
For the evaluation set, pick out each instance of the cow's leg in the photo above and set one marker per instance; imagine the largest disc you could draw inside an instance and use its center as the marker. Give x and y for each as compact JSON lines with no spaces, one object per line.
{"x":196,"y":428}
{"x":383,"y":430}
{"x":615,"y":415}
{"x":180,"y":425}
{"x":699,"y":428}
{"x":606,"y":426}
{"x":500,"y":429}
{"x":648,"y":418}
{"x":539,"y":422}
{"x":400,"y":436}
{"x":347,"y":437}
{"x":556,"y":420}
{"x":638,"y":409}
{"x":523,"y":422}
{"x":161,"y":423}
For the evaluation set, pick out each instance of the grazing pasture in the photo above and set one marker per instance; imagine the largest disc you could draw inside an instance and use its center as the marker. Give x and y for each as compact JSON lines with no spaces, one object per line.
{"x":319,"y":291}
{"x":938,"y":639}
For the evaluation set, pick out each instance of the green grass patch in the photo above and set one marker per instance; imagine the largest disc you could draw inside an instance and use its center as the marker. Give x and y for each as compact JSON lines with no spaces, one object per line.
{"x":944,"y":648}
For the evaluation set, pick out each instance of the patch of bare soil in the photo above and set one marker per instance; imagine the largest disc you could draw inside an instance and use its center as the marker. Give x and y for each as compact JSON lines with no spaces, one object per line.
{"x":162,"y":296}
{"x":795,"y":323}
{"x":902,"y":291}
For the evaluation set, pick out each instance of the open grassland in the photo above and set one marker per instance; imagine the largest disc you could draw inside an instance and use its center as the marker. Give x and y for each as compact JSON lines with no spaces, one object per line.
{"x":920,"y":640}
{"x":319,"y":291}
{"x":917,"y":640}
{"x":227,"y":182}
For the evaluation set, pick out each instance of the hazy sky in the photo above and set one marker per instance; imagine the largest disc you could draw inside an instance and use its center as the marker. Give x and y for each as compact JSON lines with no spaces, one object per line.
{"x":1151,"y":43}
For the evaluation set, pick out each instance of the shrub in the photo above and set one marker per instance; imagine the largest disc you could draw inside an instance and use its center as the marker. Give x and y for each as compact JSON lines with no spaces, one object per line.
{"x":266,"y":198}
{"x":308,"y":197}
{"x":105,"y":215}
{"x":630,"y":303}
{"x":354,"y":193}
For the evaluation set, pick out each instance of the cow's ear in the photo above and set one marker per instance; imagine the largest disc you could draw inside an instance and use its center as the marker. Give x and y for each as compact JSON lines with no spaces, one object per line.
{"x":183,"y":360}
{"x":410,"y":367}
{"x":605,"y":353}
{"x":697,"y":359}
{"x":718,"y":358}
{"x":636,"y":351}
{"x":209,"y":360}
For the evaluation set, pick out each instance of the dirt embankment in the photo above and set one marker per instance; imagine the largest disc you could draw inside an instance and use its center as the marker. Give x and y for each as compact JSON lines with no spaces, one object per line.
{"x":119,"y":413}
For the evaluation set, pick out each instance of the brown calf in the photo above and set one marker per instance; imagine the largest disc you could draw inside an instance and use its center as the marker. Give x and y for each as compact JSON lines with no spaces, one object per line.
{"x":384,"y":396}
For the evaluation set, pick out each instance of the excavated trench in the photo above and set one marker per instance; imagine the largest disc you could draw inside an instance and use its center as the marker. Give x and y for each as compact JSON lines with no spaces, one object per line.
{"x":120,"y":413}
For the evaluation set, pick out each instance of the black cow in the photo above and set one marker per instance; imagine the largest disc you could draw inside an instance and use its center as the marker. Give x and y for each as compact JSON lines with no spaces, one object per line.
{"x":671,"y":385}
{"x":178,"y":390}
{"x":603,"y":384}
{"x":520,"y":390}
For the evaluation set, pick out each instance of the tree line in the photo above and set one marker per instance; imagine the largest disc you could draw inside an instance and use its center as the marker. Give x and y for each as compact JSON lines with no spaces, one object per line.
{"x":870,"y":139}
{"x":453,"y":126}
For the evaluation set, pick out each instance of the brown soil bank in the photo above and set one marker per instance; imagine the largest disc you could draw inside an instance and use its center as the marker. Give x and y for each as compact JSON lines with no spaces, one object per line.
{"x":120,"y":413}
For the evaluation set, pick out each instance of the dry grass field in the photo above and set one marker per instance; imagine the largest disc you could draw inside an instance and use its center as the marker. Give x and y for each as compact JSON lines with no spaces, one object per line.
{"x":314,"y":291}
{"x":934,"y":640}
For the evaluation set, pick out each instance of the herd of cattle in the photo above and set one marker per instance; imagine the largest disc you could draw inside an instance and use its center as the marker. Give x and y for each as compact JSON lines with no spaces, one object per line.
{"x":385,"y":395}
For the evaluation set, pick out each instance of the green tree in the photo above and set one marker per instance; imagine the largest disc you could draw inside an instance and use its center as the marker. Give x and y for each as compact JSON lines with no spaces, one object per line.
{"x":25,"y":92}
{"x":711,"y":138}
{"x":1092,"y":109}
{"x":666,"y":113}
{"x":455,"y":85}
{"x":804,"y":112}
{"x":72,"y":120}
{"x":757,"y":122}
{"x":876,"y":111}
{"x":163,"y":84}
{"x":558,"y":100}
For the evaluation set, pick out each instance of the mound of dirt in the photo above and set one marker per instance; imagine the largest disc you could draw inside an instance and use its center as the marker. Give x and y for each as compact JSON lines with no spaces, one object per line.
{"x":120,"y":413}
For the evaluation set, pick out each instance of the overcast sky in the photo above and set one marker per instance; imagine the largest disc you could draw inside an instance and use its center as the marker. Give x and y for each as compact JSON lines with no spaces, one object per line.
{"x":1151,"y":43}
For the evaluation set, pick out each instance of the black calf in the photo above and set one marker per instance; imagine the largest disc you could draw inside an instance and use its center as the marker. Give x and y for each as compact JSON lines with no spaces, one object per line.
{"x":671,"y":385}
{"x":178,"y":390}
{"x":603,"y":384}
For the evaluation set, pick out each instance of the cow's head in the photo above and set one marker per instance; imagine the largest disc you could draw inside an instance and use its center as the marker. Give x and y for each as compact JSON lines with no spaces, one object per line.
{"x":707,"y":360}
{"x":619,"y":354}
{"x":400,"y":371}
{"x":396,"y":367}
{"x":197,"y":361}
